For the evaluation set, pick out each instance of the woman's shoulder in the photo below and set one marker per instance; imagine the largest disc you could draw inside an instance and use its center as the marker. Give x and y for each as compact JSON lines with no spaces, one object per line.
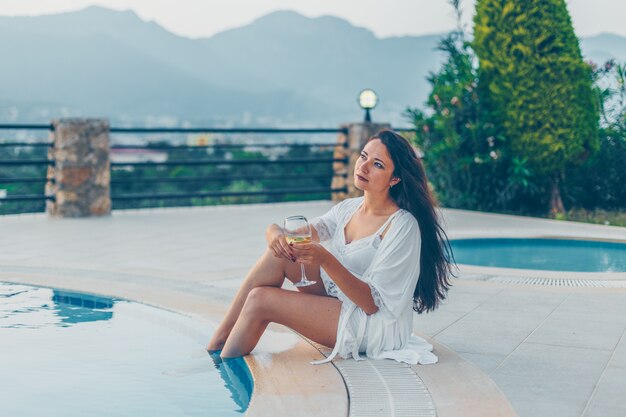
{"x":406,"y":216}
{"x":404,"y":220}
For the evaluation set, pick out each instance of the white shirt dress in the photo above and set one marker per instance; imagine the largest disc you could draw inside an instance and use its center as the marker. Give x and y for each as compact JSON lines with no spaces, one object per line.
{"x":391,"y":267}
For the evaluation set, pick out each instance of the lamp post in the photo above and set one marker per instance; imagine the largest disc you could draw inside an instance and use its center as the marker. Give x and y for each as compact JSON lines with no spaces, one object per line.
{"x":368,"y":99}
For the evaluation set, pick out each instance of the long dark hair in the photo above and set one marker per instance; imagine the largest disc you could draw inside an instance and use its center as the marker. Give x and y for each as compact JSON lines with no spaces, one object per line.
{"x":412,"y":194}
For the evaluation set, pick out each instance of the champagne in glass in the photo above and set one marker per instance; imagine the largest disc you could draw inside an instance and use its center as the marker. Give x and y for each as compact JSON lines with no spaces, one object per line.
{"x":297,"y":231}
{"x":298,"y":239}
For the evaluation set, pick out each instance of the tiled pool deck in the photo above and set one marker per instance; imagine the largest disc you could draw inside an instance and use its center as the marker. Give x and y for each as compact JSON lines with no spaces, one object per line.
{"x":552,"y":350}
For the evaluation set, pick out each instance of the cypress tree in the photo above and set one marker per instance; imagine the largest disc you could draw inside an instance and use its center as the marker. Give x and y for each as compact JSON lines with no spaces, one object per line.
{"x":536,"y":86}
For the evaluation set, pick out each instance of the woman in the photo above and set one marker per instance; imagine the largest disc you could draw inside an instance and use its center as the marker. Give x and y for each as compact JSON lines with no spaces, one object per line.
{"x":375,"y":259}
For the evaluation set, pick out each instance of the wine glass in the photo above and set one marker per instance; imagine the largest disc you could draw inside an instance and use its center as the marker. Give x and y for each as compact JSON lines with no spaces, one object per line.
{"x":297,"y":230}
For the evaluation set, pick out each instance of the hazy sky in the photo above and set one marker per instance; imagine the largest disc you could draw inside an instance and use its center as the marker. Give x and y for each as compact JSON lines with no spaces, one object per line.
{"x":203,"y":18}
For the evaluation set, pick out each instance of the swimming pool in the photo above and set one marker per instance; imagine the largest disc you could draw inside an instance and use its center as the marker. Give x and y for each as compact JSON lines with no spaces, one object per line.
{"x":543,"y":254}
{"x":74,"y":354}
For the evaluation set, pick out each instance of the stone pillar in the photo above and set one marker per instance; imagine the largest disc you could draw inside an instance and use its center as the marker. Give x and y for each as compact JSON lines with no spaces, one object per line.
{"x":351,"y":145}
{"x":80,"y":177}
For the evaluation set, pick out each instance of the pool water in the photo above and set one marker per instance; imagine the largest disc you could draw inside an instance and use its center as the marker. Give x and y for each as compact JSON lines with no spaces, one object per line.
{"x":72,"y":354}
{"x":544,"y":254}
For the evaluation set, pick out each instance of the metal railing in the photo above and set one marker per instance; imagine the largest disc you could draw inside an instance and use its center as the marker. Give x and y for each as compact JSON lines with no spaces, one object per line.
{"x":23,"y":169}
{"x":224,"y":171}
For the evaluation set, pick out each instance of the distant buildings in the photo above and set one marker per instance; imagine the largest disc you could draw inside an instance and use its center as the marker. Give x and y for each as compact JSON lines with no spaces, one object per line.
{"x":129,"y":156}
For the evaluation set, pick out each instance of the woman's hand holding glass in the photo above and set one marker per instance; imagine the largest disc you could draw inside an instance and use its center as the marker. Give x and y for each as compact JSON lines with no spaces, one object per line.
{"x":280,"y":248}
{"x":310,"y":253}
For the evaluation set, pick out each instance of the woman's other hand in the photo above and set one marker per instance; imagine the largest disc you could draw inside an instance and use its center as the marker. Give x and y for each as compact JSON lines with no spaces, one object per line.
{"x":277,"y":243}
{"x":310,"y":253}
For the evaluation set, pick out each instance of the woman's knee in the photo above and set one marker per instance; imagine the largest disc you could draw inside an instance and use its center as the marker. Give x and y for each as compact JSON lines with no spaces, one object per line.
{"x":259,"y":301}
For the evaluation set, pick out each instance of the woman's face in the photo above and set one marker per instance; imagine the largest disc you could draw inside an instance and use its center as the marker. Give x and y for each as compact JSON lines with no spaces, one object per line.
{"x":373,"y":171}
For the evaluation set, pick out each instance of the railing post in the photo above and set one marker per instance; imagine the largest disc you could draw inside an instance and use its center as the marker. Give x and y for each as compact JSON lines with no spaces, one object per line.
{"x":81,"y":170}
{"x":351,"y":144}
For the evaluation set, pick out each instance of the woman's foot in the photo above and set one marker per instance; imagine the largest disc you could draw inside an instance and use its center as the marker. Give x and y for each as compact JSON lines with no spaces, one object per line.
{"x":215,"y":346}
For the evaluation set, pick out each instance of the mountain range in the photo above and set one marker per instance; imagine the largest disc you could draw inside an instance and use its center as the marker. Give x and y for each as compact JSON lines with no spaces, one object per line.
{"x":283,"y":69}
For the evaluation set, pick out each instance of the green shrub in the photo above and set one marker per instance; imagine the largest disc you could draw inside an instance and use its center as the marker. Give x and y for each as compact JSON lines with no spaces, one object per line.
{"x":535,"y":85}
{"x":467,"y":159}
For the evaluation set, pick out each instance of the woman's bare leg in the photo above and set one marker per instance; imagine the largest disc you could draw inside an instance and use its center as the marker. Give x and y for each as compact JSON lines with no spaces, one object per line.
{"x":313,"y":316}
{"x":269,"y":271}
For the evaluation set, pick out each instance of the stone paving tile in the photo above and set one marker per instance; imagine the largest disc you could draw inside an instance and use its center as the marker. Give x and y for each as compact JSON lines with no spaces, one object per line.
{"x":10,"y":256}
{"x":550,"y":381}
{"x":619,"y":356}
{"x":609,"y":397}
{"x":487,"y":333}
{"x":607,"y":307}
{"x":525,"y":300}
{"x":465,"y":298}
{"x":575,"y":332}
{"x":462,"y":299}
{"x":433,"y":323}
{"x":500,"y":324}
{"x":486,"y":363}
